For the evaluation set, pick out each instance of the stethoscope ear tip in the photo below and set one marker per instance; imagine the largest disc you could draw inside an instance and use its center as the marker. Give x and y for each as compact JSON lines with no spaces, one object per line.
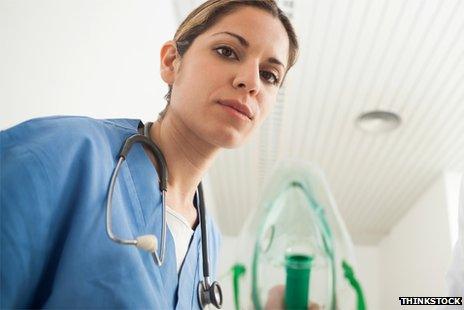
{"x":148,"y":243}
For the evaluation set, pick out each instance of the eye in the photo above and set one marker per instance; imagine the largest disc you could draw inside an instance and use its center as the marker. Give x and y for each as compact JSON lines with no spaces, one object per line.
{"x":226,"y":52}
{"x":270,"y":77}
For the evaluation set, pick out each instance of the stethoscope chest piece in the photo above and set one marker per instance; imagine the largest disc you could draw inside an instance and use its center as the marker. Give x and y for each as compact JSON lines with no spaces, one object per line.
{"x":210,"y":294}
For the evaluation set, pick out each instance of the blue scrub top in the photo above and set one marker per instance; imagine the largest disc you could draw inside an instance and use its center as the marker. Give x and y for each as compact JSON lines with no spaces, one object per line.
{"x":55,"y":252}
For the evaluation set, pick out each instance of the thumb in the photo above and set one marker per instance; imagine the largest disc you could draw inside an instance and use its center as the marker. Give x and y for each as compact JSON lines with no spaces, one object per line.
{"x":313,"y":306}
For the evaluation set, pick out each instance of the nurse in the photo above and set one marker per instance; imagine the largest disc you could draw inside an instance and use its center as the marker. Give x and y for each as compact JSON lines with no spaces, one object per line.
{"x":223,"y":68}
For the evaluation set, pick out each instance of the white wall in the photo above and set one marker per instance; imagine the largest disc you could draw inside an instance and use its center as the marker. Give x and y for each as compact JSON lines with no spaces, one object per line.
{"x":368,"y":269}
{"x":416,"y":254}
{"x":82,"y":57}
{"x":453,"y":186}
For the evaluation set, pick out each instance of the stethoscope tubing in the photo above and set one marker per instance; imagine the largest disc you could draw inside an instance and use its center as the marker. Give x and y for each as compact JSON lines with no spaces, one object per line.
{"x":206,"y":289}
{"x":109,"y":207}
{"x":158,"y":258}
{"x":204,"y":236}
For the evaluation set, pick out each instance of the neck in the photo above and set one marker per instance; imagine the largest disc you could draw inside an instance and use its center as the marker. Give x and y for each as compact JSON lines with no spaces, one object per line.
{"x":188,"y":157}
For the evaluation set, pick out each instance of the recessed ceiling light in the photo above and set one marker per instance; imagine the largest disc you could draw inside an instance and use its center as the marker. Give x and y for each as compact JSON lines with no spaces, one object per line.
{"x":378,"y":121}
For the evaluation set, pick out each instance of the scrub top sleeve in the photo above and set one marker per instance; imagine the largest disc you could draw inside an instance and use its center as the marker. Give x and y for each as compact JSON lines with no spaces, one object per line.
{"x":215,"y":236}
{"x":25,"y":217}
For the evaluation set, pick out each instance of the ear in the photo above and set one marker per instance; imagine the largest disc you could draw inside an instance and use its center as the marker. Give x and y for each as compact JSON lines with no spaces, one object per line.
{"x":169,"y":62}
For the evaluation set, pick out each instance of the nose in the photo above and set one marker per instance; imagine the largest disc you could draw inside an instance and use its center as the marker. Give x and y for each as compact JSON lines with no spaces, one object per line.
{"x":248,"y":78}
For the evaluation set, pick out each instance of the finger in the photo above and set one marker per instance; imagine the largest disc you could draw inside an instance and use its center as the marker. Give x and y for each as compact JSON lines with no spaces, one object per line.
{"x":277,"y":290}
{"x":314,"y":306}
{"x":275,"y":298}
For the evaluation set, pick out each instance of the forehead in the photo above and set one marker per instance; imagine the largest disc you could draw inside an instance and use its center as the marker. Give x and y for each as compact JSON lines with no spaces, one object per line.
{"x":264,"y":32}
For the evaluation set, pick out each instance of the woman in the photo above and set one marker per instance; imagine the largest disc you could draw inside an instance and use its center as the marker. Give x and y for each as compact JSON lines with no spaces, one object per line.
{"x":224,"y":69}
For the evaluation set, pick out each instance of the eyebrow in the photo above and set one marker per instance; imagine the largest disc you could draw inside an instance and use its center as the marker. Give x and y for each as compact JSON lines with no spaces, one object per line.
{"x":245,"y":43}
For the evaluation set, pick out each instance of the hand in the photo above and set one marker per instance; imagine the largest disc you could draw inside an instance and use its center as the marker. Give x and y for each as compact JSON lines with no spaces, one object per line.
{"x":275,"y":299}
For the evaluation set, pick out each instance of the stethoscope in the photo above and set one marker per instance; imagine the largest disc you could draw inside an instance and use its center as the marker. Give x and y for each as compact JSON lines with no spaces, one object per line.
{"x":208,"y":293}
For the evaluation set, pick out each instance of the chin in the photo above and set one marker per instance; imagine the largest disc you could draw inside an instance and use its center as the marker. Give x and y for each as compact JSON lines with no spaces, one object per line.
{"x":230,"y":140}
{"x":233,"y":145}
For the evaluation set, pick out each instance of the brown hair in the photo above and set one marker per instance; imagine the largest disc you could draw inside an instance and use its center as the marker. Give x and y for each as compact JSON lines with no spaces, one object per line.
{"x":207,"y":14}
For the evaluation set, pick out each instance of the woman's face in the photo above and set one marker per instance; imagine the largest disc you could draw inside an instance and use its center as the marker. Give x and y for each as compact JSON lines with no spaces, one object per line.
{"x":227,"y":81}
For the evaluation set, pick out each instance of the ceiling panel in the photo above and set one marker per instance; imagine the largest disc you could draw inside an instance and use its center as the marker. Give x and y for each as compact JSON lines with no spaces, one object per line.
{"x":405,"y":57}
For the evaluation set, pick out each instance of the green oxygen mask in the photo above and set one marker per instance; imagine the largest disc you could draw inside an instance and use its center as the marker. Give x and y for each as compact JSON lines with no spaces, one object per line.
{"x":296,"y":238}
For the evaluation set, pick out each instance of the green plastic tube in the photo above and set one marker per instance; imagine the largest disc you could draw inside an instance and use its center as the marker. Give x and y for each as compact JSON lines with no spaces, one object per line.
{"x":238,"y":270}
{"x":349,"y":275}
{"x":298,"y":269}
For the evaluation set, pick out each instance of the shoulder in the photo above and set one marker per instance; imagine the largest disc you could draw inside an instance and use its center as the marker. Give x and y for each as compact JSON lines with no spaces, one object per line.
{"x":214,"y":242}
{"x":64,"y":143}
{"x":66,"y":126}
{"x":62,"y":132}
{"x":214,"y":232}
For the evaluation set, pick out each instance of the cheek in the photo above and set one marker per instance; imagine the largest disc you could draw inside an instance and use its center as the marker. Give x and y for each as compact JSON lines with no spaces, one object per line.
{"x":188,"y":89}
{"x":201,"y":79}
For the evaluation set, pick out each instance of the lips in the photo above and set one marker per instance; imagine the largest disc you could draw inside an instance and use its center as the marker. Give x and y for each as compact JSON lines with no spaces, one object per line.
{"x":238,"y":106}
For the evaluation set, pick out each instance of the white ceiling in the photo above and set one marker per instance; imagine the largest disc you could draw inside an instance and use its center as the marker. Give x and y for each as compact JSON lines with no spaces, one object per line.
{"x":360,"y":55}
